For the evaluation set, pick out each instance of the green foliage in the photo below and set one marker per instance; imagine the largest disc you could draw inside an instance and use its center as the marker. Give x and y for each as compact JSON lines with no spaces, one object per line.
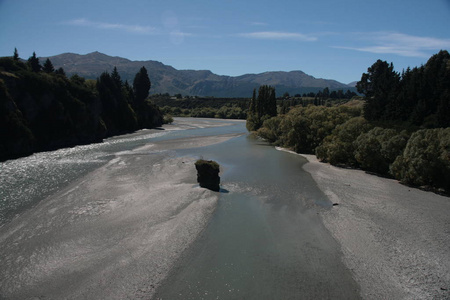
{"x":425,"y":160}
{"x":201,"y":163}
{"x":141,"y":85}
{"x":167,"y":119}
{"x":223,"y":108}
{"x":377,"y":149}
{"x":421,"y":96}
{"x":44,"y":111}
{"x":16,"y":55}
{"x":304,"y":128}
{"x":262,"y":107}
{"x":34,"y":64}
{"x":380,"y":85}
{"x":48,"y":67}
{"x":271,"y":130}
{"x":15,"y":135}
{"x":338,"y":147}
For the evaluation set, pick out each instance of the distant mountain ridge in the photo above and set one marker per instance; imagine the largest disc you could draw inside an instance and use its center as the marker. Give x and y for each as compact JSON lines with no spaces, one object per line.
{"x":166,"y":79}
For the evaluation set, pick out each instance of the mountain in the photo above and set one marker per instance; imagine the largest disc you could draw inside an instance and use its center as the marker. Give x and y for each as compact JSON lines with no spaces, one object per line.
{"x":166,"y":79}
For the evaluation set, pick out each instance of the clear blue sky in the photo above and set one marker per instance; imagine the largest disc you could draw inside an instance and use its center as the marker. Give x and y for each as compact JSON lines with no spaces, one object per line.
{"x":324,"y":38}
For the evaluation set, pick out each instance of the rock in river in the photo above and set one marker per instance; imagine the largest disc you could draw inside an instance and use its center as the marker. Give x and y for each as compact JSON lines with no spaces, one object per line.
{"x":208,"y":174}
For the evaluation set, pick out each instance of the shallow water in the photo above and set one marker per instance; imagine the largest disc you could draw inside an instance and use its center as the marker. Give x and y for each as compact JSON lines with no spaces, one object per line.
{"x":265,"y":240}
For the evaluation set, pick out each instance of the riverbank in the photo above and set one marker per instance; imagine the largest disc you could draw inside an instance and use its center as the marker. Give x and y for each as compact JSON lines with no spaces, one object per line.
{"x":114,"y":233}
{"x":394,"y":238}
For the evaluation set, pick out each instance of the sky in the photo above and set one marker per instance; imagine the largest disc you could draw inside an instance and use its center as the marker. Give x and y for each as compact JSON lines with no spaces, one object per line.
{"x":324,"y":38}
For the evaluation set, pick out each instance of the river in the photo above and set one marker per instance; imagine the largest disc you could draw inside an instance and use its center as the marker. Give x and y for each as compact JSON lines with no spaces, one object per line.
{"x":263,"y":240}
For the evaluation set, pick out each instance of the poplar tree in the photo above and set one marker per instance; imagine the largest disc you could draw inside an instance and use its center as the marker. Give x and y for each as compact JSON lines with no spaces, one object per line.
{"x":16,"y":54}
{"x":141,"y":86}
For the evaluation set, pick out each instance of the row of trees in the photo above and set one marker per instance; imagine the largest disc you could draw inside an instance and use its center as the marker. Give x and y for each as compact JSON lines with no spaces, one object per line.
{"x":389,"y":136}
{"x":419,"y":96}
{"x":341,"y":136}
{"x":41,"y":109}
{"x":262,"y":107}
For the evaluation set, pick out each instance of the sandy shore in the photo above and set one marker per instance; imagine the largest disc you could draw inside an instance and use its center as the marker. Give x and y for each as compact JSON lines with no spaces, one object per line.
{"x":394,"y":238}
{"x":113,"y":234}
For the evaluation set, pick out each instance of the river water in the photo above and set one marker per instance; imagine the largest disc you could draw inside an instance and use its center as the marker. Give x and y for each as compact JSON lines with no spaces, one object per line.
{"x":265,"y":239}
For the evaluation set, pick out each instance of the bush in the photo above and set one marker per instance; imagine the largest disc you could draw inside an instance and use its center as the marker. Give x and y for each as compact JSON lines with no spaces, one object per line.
{"x":377,"y":149}
{"x":338,"y":148}
{"x":304,"y":128}
{"x":271,"y":130}
{"x":168,"y":119}
{"x":425,"y":160}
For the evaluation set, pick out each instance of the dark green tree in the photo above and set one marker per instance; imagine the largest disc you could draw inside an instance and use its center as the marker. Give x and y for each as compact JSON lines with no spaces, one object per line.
{"x":34,"y":64}
{"x":48,"y":66}
{"x":262,"y":107}
{"x":60,"y":71}
{"x":141,"y":86}
{"x":380,"y":86}
{"x":116,"y":80}
{"x":16,"y":55}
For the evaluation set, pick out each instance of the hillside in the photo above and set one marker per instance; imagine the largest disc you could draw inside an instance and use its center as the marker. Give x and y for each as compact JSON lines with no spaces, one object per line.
{"x":166,"y":79}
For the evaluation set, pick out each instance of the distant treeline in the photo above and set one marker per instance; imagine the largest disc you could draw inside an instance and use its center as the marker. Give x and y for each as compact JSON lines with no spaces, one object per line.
{"x":42,"y":109}
{"x":202,"y":107}
{"x":237,"y":108}
{"x":402,"y":131}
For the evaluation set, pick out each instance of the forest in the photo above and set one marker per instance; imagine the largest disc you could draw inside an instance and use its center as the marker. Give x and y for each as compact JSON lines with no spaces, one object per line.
{"x":42,"y":109}
{"x":402,"y":130}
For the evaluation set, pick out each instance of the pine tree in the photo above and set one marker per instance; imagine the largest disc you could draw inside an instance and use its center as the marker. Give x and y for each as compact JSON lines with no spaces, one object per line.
{"x":380,"y":86}
{"x":48,"y":66}
{"x":116,"y":79}
{"x":33,"y":61}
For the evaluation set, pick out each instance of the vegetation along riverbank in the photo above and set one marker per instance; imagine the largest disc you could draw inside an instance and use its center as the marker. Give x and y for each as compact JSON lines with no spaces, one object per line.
{"x":401,"y":130}
{"x":42,"y":109}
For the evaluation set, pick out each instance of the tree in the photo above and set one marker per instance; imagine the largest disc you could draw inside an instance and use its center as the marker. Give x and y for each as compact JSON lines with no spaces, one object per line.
{"x":141,"y":86}
{"x":262,"y":107}
{"x":380,"y":86}
{"x":116,"y":79}
{"x":16,"y":55}
{"x":48,"y":66}
{"x":33,"y":61}
{"x":60,"y":71}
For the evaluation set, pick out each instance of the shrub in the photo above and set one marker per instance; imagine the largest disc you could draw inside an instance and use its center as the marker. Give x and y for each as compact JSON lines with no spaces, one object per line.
{"x":425,"y":160}
{"x":377,"y":149}
{"x":338,"y":147}
{"x":304,"y":128}
{"x":168,"y":119}
{"x":271,"y":130}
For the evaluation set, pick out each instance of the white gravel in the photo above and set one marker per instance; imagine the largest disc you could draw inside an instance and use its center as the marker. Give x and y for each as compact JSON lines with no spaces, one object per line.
{"x":113,"y":234}
{"x":395,"y":239}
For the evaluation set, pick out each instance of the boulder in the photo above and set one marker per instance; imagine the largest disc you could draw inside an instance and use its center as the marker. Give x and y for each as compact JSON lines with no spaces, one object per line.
{"x":208,"y":174}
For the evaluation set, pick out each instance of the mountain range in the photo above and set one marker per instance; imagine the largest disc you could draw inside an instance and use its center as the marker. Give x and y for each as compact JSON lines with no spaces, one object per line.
{"x":166,"y":79}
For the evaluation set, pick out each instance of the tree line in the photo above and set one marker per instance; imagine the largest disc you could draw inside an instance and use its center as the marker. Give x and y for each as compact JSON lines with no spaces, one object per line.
{"x":419,"y":96}
{"x":43,"y":109}
{"x":402,"y":131}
